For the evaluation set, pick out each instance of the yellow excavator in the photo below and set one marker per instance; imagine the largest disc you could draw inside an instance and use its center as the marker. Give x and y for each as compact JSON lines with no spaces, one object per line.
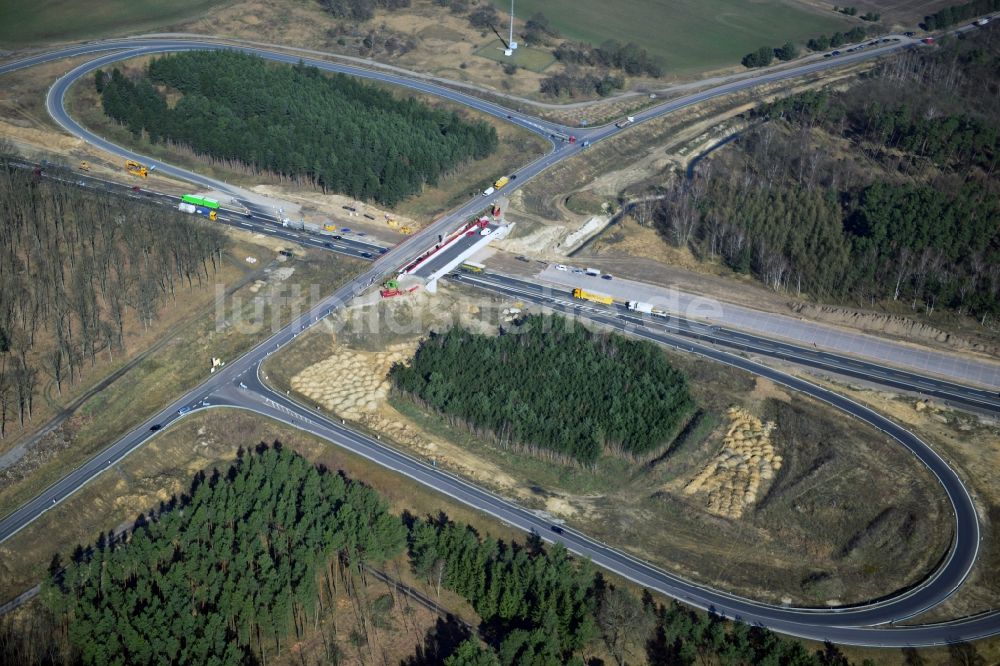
{"x":85,"y":165}
{"x":136,"y":169}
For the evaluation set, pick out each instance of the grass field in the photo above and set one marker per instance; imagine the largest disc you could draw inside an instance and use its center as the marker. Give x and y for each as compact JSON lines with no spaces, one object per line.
{"x":688,"y":34}
{"x":536,"y":60}
{"x":24,"y":22}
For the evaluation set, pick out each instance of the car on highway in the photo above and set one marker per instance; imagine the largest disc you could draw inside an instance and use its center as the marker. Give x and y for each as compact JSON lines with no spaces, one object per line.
{"x":183,"y":410}
{"x":606,"y":277}
{"x":328,"y":244}
{"x":561,"y":267}
{"x":155,"y":427}
{"x":909,"y":34}
{"x":513,"y":176}
{"x":336,"y":237}
{"x":557,"y":529}
{"x":366,"y":255}
{"x":835,"y":53}
{"x":383,"y":250}
{"x":827,"y":55}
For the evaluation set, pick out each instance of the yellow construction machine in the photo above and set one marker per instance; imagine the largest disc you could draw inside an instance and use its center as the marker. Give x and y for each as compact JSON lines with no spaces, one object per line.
{"x":136,"y":169}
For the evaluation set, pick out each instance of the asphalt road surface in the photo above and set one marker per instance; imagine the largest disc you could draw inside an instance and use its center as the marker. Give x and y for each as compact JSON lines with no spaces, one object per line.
{"x":238,"y":385}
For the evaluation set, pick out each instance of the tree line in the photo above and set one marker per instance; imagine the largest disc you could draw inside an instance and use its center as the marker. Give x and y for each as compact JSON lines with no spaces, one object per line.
{"x":853,"y":11}
{"x":540,"y":607}
{"x":226,"y":574}
{"x":552,"y":388}
{"x":921,"y":228}
{"x":949,"y":16}
{"x":578,"y":83}
{"x":360,"y":10}
{"x":334,"y":132}
{"x":75,"y":267}
{"x":765,"y":55}
{"x":629,"y":58}
{"x":244,"y":564}
{"x":837,"y":39}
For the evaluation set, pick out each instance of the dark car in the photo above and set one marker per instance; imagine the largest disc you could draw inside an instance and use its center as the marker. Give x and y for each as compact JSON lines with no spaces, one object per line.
{"x":248,"y":215}
{"x":155,"y":427}
{"x":909,"y":34}
{"x":338,"y":238}
{"x":827,"y":55}
{"x":513,"y":176}
{"x":328,"y":244}
{"x":366,"y":255}
{"x":383,"y":250}
{"x":557,"y":529}
{"x":285,"y":253}
{"x":606,"y":277}
{"x":521,"y":257}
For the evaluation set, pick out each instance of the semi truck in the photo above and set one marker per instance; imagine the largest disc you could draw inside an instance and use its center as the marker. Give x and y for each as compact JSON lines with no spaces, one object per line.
{"x":585,"y":295}
{"x":639,"y":306}
{"x":627,"y":120}
{"x":185,"y":207}
{"x":501,"y":182}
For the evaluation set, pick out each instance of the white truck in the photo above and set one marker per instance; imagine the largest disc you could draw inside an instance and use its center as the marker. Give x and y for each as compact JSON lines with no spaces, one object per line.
{"x":983,"y":21}
{"x":639,"y":306}
{"x":488,"y":191}
{"x":627,"y":120}
{"x":593,"y":272}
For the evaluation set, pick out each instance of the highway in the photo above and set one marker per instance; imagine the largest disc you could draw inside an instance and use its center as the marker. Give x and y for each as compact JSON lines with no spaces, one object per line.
{"x":238,"y":384}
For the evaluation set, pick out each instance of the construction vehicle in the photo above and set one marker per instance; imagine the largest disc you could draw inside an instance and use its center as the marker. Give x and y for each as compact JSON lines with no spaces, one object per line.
{"x":137,"y":169}
{"x":406,"y":230}
{"x":329,"y":227}
{"x":501,"y":182}
{"x":391,"y":221}
{"x":390,"y":289}
{"x":85,"y":165}
{"x":639,"y":306}
{"x":627,"y":120}
{"x":592,"y":296}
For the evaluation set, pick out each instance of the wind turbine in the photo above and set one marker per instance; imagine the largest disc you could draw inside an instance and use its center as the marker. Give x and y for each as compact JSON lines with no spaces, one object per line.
{"x":511,"y":44}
